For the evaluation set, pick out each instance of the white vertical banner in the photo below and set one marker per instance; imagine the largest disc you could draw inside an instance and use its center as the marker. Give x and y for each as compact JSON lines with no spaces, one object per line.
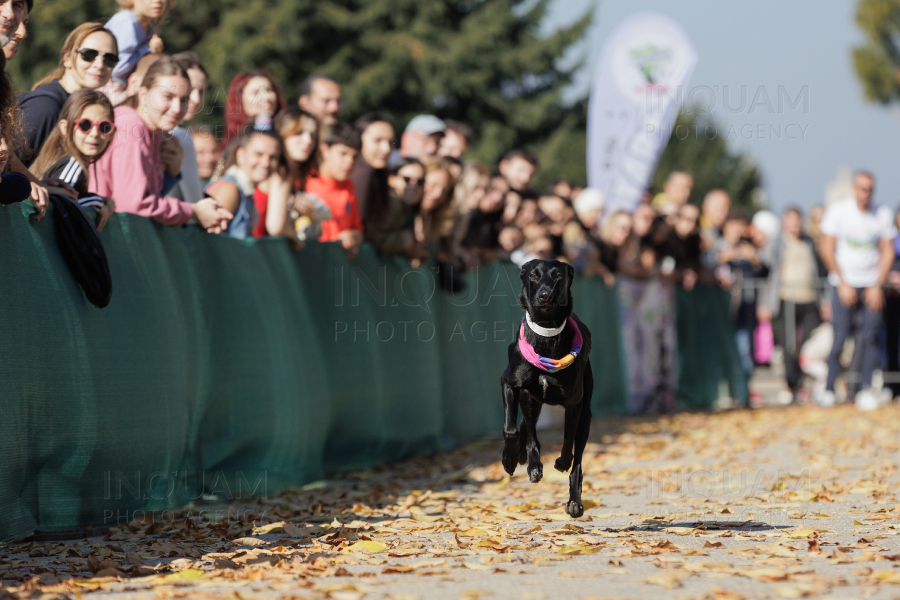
{"x":636,"y":94}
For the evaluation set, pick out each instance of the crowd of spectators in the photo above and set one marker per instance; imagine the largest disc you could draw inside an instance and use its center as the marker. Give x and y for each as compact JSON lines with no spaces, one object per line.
{"x":110,"y":128}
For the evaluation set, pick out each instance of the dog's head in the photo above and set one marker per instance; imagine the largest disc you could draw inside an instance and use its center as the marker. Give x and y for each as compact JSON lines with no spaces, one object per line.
{"x":547,"y":290}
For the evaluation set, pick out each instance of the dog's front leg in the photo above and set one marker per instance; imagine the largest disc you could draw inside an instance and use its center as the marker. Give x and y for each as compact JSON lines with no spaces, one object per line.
{"x":510,"y":427}
{"x":531,"y":411}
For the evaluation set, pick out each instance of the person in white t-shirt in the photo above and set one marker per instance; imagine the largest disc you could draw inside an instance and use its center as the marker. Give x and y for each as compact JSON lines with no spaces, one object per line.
{"x":857,"y":248}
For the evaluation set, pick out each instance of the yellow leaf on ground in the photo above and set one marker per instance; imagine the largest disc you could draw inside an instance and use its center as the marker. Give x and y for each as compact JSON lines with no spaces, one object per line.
{"x":424,"y":518}
{"x":577,"y":550}
{"x":667,"y":579}
{"x":370,"y":546}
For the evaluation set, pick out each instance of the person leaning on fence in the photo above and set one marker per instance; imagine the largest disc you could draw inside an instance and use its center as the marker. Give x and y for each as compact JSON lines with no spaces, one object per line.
{"x":252,"y":158}
{"x":857,"y":248}
{"x":82,"y":136}
{"x":338,"y":149}
{"x":793,"y":293}
{"x":131,"y":171}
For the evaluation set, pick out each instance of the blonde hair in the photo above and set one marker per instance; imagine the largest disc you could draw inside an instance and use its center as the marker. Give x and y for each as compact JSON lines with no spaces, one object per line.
{"x":129,"y":5}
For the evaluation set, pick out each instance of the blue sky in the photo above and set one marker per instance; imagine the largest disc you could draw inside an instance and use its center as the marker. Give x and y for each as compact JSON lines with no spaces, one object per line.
{"x":763,"y":45}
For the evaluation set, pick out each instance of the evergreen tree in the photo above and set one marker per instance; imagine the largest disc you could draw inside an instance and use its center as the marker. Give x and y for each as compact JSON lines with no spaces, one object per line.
{"x":480,"y":62}
{"x":877,"y":62}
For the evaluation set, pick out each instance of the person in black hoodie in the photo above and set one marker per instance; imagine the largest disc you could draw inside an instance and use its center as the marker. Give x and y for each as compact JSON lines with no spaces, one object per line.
{"x":88,"y":57}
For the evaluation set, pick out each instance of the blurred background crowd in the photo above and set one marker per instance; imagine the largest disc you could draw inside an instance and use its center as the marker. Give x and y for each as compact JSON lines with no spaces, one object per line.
{"x":115,"y":128}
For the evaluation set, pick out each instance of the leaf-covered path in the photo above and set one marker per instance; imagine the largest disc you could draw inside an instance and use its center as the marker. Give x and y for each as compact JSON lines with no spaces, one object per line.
{"x":776,"y":503}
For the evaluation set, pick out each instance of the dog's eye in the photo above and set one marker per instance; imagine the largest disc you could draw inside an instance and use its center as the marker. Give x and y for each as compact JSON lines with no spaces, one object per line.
{"x":557,"y":276}
{"x":534,"y":276}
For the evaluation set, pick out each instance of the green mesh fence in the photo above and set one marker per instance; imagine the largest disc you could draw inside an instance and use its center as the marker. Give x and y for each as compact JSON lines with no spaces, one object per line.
{"x":233,"y":368}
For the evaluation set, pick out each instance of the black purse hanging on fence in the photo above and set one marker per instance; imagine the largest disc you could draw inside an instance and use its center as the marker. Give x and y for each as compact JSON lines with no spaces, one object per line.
{"x":82,"y":250}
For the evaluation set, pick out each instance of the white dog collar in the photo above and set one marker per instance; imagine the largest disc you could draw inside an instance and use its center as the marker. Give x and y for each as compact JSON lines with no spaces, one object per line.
{"x":543,"y":330}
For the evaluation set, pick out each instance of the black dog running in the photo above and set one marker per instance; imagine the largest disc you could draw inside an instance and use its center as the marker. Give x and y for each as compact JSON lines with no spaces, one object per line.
{"x":546,"y":366}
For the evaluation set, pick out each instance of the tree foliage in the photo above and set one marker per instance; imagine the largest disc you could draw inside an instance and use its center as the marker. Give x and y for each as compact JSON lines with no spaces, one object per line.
{"x":699,"y":146}
{"x":877,"y":61}
{"x":482,"y":62}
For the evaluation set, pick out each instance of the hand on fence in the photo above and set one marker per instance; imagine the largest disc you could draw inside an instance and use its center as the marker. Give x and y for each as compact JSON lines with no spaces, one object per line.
{"x":58,"y":186}
{"x":874,"y":298}
{"x":763,"y":314}
{"x":211,"y":216}
{"x":105,"y":212}
{"x":39,"y":197}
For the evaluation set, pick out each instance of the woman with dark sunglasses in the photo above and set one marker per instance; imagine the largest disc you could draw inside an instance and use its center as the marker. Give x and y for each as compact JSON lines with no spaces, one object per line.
{"x":88,"y":57}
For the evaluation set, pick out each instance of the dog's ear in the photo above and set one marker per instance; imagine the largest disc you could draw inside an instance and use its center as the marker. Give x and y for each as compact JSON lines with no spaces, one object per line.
{"x":523,"y":290}
{"x":570,"y":277}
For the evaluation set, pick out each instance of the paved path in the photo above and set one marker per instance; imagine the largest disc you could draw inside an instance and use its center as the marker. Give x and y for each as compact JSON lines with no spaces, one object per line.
{"x":776,"y":503}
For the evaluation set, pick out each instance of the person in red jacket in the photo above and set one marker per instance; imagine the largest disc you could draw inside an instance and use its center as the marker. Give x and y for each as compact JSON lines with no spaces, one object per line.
{"x":332,"y":185}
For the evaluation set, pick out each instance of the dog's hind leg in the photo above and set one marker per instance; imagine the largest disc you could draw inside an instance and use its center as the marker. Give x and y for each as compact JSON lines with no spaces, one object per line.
{"x":524,"y":442}
{"x":531,"y":411}
{"x":574,"y":506}
{"x":511,"y":438}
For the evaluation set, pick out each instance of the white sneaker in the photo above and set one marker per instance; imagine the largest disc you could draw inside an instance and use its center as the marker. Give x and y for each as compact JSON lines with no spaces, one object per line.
{"x":866,"y":400}
{"x":826,"y":399}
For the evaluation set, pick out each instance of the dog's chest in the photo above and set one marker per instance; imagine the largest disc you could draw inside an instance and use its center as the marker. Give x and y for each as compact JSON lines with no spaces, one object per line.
{"x":549,"y":390}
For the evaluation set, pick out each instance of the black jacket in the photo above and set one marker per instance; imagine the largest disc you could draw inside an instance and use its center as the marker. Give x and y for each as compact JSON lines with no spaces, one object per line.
{"x":40,"y":114}
{"x":70,"y":170}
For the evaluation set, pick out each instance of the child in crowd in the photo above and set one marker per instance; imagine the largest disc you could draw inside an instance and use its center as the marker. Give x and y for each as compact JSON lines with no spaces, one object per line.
{"x":337,"y":151}
{"x":83,"y":134}
{"x":134,"y":28}
{"x":207,"y":148}
{"x":284,"y":208}
{"x":253,"y":156}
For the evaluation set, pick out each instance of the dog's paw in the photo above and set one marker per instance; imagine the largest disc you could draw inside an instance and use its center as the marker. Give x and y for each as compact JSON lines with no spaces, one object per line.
{"x":563,"y":463}
{"x":575,"y":509}
{"x":535,"y":472}
{"x":510,"y":456}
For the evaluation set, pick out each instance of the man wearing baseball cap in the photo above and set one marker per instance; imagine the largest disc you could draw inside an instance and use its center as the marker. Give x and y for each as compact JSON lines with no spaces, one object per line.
{"x":422,"y":137}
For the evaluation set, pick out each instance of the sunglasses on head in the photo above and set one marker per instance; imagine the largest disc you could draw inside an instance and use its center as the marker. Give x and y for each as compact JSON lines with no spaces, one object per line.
{"x":90,"y":55}
{"x":104,"y":127}
{"x":410,"y":180}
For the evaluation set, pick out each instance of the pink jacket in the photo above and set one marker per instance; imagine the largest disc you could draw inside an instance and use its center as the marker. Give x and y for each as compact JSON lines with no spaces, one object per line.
{"x":130,"y":172}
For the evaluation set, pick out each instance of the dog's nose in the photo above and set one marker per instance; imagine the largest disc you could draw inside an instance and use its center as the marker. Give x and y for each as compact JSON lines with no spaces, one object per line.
{"x":543,"y":295}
